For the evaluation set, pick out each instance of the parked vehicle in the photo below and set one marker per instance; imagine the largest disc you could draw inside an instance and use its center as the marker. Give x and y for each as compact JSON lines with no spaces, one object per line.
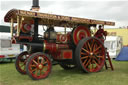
{"x":113,"y":45}
{"x":7,"y":49}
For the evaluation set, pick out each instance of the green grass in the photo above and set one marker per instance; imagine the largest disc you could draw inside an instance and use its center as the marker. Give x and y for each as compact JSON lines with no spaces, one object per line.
{"x":58,"y":76}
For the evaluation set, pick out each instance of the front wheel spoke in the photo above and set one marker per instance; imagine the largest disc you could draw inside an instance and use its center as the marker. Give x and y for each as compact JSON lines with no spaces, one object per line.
{"x":33,"y":65}
{"x":45,"y":62}
{"x":40,"y":72}
{"x":45,"y":66}
{"x":38,"y":60}
{"x":44,"y":71}
{"x":24,"y":68}
{"x":34,"y":70}
{"x":42,"y":60}
{"x":35,"y":62}
{"x":22,"y":65}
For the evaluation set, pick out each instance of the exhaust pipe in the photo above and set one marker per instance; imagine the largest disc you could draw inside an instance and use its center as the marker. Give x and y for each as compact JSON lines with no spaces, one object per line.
{"x":35,"y":5}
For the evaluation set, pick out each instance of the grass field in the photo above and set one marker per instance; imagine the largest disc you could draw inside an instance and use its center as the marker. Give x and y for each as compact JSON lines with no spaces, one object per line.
{"x":58,"y":76}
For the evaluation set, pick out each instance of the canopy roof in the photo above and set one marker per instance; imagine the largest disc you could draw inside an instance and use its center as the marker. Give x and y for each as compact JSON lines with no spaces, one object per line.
{"x":56,"y":20}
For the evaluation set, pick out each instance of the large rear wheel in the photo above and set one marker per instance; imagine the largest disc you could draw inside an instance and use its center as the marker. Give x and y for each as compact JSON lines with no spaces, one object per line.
{"x":38,"y":66}
{"x":90,"y":54}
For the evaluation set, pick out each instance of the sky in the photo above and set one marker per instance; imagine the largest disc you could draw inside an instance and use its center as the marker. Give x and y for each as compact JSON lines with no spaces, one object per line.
{"x":109,"y":10}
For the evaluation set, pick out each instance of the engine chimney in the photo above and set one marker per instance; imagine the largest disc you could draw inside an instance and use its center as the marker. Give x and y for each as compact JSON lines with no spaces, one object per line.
{"x":35,"y":6}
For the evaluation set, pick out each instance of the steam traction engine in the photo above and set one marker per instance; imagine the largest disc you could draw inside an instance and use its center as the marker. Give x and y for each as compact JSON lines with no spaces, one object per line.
{"x":76,"y":48}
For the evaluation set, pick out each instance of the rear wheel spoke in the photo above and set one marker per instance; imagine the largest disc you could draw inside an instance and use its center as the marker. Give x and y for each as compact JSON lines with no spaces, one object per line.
{"x":97,"y":60}
{"x":96,"y":63}
{"x":97,"y":49}
{"x":88,"y":63}
{"x":85,"y":50}
{"x":83,"y":53}
{"x":89,"y":46}
{"x":85,"y":61}
{"x":92,"y":45}
{"x":84,"y":57}
{"x":90,"y":67}
{"x":100,"y":57}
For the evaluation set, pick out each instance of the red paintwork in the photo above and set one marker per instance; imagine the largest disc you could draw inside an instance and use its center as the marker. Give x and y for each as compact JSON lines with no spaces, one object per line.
{"x":62,"y":38}
{"x":79,"y":33}
{"x":58,"y":51}
{"x":62,"y":54}
{"x":69,"y":36}
{"x":25,"y":37}
{"x":66,"y":54}
{"x":26,"y":28}
{"x":2,"y":56}
{"x":110,"y":62}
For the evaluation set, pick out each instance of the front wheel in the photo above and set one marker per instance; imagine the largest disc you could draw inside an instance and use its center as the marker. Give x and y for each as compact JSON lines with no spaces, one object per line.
{"x":90,"y":54}
{"x":21,"y":62}
{"x":38,"y":66}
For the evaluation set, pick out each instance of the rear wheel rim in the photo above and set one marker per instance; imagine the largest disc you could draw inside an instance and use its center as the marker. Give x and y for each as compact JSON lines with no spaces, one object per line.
{"x":39,"y":67}
{"x":92,"y":55}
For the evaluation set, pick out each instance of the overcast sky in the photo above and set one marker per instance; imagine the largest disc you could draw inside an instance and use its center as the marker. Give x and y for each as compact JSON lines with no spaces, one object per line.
{"x":113,"y":10}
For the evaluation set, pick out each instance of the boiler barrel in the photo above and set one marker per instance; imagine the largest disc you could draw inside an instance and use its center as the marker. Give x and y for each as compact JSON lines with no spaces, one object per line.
{"x":53,"y":47}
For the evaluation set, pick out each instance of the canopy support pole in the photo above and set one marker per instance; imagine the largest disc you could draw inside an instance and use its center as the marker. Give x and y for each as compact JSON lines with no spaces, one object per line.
{"x":18,"y":25}
{"x":12,"y":24}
